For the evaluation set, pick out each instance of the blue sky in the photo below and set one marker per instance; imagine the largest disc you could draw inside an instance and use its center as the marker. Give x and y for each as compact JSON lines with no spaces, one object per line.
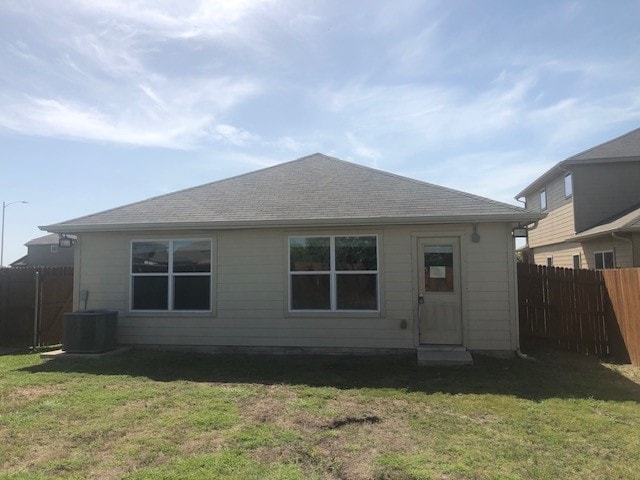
{"x":103,"y":103}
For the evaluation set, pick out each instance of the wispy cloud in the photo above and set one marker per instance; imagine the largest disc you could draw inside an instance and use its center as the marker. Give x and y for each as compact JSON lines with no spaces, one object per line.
{"x":433,"y":112}
{"x":496,"y":174}
{"x":173,"y":117}
{"x":111,"y":89}
{"x":54,"y":118}
{"x":174,"y":19}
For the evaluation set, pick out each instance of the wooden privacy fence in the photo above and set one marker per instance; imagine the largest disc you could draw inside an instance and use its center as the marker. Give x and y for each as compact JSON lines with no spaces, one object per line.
{"x":586,"y":311}
{"x":622,"y":309}
{"x":34,"y":299}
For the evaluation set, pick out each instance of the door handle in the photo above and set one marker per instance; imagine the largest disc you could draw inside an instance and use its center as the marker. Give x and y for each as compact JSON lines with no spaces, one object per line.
{"x":420,"y":299}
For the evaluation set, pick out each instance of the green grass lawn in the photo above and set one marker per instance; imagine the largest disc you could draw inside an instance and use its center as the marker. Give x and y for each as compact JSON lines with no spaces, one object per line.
{"x":152,"y":415}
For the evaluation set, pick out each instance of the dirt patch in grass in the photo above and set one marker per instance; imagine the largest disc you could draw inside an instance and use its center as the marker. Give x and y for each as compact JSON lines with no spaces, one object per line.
{"x":30,"y":393}
{"x":341,"y":439}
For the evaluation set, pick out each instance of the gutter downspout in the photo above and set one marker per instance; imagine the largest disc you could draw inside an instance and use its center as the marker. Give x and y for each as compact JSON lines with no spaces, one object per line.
{"x":524,"y":356}
{"x":519,"y":353}
{"x":627,"y":240}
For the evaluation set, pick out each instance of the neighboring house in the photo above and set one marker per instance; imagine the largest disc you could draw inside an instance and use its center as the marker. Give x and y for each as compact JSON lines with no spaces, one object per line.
{"x":316,"y":253}
{"x":45,"y":252}
{"x":592,"y":201}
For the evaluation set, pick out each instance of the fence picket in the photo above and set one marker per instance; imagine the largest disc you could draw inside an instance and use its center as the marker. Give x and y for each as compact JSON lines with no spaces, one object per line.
{"x":585,"y":311}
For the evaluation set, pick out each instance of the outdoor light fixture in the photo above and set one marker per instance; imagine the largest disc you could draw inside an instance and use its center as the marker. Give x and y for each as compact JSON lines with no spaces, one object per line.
{"x":475,"y":236}
{"x":65,"y":242}
{"x":520,"y":231}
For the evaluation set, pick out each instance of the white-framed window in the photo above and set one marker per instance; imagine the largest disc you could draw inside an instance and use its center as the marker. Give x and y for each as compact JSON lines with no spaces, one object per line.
{"x":576,"y":261}
{"x":171,"y":275}
{"x":333,"y":273}
{"x":549,"y":261}
{"x":604,"y":260}
{"x":568,"y":185}
{"x":54,"y":248}
{"x":543,"y":199}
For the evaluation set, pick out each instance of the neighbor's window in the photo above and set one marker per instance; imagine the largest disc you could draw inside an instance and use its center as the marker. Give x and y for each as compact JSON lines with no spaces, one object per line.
{"x":333,"y":273}
{"x":543,"y":199}
{"x":171,"y":275}
{"x":549,"y":261}
{"x":54,"y":248}
{"x":576,"y":261}
{"x":568,"y":185}
{"x":604,"y":260}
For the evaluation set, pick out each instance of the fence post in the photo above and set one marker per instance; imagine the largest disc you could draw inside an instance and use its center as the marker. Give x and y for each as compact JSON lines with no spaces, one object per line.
{"x":36,"y":313}
{"x":4,"y":313}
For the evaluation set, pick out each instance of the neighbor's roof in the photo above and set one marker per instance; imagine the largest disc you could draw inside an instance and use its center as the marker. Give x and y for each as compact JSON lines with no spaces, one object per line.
{"x":627,"y":145}
{"x":313,"y":190}
{"x":51,"y":239}
{"x":626,"y":222}
{"x":620,"y":149}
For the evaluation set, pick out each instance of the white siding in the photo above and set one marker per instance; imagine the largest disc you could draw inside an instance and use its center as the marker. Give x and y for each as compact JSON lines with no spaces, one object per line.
{"x":250,"y":291}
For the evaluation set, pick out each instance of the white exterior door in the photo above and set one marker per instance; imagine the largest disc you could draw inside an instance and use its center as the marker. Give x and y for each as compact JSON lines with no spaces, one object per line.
{"x":439,"y":296}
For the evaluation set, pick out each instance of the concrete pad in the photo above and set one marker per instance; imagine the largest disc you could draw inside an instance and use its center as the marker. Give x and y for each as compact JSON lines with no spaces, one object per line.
{"x":443,"y":355}
{"x":62,"y":354}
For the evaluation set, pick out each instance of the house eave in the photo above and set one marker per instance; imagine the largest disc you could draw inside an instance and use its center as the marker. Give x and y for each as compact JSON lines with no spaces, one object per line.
{"x":543,"y":179}
{"x":329,"y":222}
{"x":602,"y":233}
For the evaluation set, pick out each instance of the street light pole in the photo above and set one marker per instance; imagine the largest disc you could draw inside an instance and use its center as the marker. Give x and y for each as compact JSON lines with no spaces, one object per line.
{"x":4,"y":207}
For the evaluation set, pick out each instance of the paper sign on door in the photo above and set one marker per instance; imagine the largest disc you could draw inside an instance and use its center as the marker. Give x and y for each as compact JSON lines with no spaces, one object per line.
{"x":437,"y":272}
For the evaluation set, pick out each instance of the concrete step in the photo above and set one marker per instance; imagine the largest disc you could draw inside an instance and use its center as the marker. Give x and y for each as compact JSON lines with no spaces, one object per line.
{"x":62,"y":354}
{"x":443,"y":355}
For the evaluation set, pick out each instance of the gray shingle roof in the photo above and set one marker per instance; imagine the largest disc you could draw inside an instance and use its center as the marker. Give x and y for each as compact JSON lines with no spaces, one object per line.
{"x":627,"y":145}
{"x":623,"y":148}
{"x":316,"y":189}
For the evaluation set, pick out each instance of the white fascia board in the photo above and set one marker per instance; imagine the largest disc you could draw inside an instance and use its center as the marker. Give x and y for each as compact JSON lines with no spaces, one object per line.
{"x":123,"y":227}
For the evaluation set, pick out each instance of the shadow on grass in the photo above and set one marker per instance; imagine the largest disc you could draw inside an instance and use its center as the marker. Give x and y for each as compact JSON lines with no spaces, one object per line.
{"x":553,"y":375}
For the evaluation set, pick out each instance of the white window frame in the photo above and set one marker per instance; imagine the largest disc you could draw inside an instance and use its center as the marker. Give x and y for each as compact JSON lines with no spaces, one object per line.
{"x":54,"y":248}
{"x":568,"y":182}
{"x":332,"y":273}
{"x":602,"y":252}
{"x":543,"y":196}
{"x":170,"y":275}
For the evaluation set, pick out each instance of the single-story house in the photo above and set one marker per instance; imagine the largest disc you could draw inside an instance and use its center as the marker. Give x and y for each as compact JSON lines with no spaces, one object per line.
{"x":317,"y":254}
